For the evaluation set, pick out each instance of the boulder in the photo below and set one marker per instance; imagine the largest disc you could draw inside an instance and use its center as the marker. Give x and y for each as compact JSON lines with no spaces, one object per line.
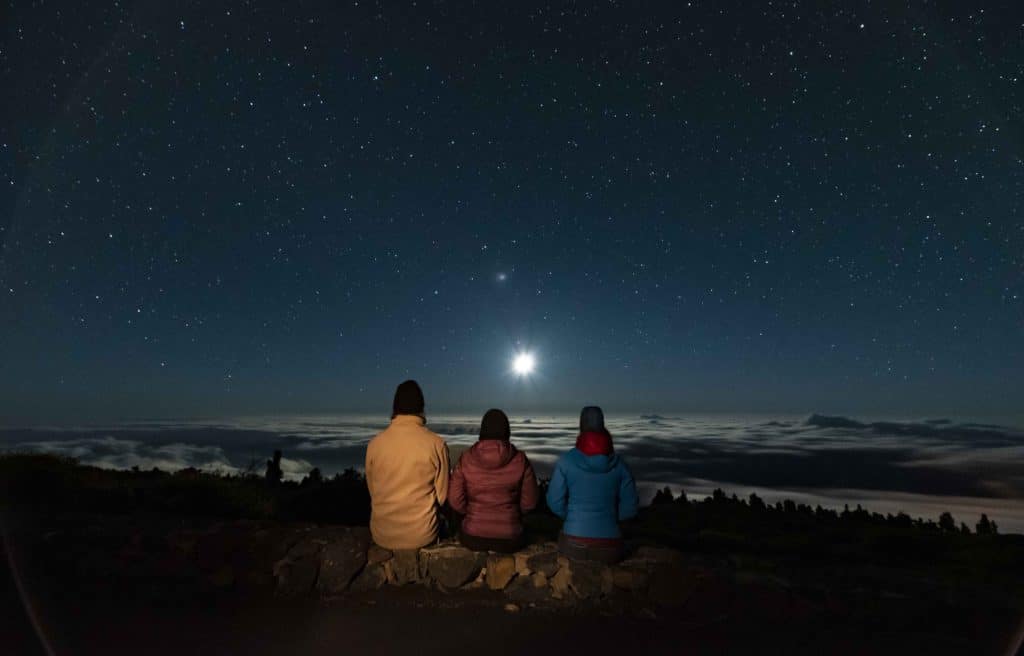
{"x":660,"y":555}
{"x":630,"y":577}
{"x":500,"y":570}
{"x":523,"y":589}
{"x":295,"y":577}
{"x":377,"y":554}
{"x":296,"y":573}
{"x":371,"y":578}
{"x":560,"y":583}
{"x":587,"y":579}
{"x":341,"y":560}
{"x":545,"y":562}
{"x":404,"y":567}
{"x":451,"y":566}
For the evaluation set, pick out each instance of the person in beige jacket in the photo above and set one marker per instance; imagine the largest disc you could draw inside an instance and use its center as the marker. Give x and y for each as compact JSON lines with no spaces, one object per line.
{"x":407,"y":473}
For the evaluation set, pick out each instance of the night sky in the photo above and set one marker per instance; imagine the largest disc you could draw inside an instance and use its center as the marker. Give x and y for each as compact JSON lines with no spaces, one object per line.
{"x":235,"y":208}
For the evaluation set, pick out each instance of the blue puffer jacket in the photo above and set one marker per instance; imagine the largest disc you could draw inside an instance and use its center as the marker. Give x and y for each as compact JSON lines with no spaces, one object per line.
{"x":592,"y":494}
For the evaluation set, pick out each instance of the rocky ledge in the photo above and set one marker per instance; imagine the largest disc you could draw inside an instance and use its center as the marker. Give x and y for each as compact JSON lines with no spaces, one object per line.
{"x":347,"y":561}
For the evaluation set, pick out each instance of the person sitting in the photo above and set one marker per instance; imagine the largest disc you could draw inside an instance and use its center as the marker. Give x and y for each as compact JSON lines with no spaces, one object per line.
{"x":407,"y":475}
{"x":493,"y":485}
{"x":593,"y":490}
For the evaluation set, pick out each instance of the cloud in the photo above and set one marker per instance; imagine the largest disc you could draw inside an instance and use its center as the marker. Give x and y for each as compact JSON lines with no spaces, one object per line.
{"x":817,"y":456}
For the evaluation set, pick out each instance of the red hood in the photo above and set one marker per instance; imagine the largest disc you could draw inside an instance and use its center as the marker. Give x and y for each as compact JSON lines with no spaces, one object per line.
{"x":491,"y":454}
{"x":594,"y":444}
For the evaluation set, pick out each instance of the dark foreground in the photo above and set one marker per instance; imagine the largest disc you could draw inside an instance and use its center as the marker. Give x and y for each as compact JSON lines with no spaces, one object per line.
{"x":726,"y":614}
{"x":416,"y":620}
{"x":152,"y":563}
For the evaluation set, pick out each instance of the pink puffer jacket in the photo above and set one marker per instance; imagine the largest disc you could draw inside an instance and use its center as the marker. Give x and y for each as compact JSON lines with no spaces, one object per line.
{"x":493,"y":485}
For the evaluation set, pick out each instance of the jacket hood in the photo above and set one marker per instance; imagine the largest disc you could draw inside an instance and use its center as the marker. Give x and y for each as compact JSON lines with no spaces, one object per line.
{"x":593,"y":443}
{"x":491,"y":454}
{"x":598,"y":464}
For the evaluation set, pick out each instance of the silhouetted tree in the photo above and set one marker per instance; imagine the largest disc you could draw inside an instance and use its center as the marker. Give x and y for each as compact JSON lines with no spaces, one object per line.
{"x":984,"y":527}
{"x":965,"y":529}
{"x":314,"y":477}
{"x":755,"y":502}
{"x":274,"y":473}
{"x":662,"y":496}
{"x":946,"y":523}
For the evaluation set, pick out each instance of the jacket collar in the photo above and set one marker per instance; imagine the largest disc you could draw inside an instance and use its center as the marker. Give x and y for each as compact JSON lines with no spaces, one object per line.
{"x":404,"y":420}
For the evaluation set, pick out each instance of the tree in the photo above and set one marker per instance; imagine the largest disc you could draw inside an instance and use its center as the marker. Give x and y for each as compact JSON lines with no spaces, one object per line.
{"x":946,"y":523}
{"x":274,"y":473}
{"x":662,"y":496}
{"x":984,"y":527}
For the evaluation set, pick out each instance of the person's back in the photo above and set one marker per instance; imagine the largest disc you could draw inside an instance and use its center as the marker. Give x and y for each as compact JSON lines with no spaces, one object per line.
{"x":592,"y":489}
{"x":493,"y":485}
{"x":407,"y":475}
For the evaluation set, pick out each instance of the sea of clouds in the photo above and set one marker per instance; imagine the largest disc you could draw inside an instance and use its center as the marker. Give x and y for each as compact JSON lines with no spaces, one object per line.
{"x":919,"y":467}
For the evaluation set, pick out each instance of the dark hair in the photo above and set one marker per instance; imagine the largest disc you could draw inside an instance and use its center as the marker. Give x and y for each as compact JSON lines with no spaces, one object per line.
{"x":408,"y":399}
{"x":495,"y":426}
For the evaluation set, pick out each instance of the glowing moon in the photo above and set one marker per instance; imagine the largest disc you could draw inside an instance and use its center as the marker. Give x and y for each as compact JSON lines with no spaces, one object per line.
{"x":523,"y":364}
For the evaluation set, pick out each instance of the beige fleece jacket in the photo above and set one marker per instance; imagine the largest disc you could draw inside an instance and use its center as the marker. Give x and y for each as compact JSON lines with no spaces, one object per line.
{"x":407,"y":473}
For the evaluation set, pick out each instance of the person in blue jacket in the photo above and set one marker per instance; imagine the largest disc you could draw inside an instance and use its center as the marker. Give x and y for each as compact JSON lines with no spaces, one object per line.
{"x":593,"y":490}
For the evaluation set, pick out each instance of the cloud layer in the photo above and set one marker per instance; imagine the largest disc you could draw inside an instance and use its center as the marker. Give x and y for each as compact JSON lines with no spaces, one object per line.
{"x":914,"y":466}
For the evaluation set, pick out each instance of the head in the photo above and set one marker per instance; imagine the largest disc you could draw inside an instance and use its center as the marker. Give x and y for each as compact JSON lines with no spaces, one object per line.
{"x":408,"y":399}
{"x":495,"y":426}
{"x":592,"y":420}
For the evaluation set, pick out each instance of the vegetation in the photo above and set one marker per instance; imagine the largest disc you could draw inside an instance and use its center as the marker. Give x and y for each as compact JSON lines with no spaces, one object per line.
{"x":785,"y":537}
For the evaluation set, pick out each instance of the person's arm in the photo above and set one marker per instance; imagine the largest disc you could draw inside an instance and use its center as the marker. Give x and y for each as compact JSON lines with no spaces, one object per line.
{"x":629,"y":502}
{"x":369,"y":472}
{"x":457,"y":490}
{"x":529,"y":492}
{"x":558,"y":492}
{"x":441,"y":476}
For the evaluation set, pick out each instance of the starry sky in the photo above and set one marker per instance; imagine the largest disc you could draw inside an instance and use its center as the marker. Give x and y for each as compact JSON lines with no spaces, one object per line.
{"x":234,"y":208}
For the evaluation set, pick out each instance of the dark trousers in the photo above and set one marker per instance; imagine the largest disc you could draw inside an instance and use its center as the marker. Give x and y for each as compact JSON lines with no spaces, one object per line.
{"x":501,"y":545}
{"x":608,"y":552}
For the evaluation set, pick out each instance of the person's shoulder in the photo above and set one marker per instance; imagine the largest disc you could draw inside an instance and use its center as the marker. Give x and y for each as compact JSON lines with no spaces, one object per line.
{"x":567,"y":459}
{"x":435,"y":439}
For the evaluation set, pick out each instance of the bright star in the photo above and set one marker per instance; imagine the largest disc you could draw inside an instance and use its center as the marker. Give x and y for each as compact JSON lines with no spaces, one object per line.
{"x":523,"y":364}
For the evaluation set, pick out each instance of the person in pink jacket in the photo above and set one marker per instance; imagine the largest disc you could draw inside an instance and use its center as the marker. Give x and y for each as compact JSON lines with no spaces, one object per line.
{"x":493,"y":485}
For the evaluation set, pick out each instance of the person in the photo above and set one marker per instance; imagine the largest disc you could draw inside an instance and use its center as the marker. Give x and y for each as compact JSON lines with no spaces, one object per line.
{"x":493,"y":485}
{"x":593,"y":490}
{"x":407,"y":475}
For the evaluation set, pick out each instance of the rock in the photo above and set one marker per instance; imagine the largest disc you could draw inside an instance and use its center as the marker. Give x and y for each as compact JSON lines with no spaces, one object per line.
{"x":405,"y":567}
{"x":451,"y":566}
{"x":522,"y":569}
{"x":500,"y":570}
{"x":545,"y":562}
{"x":522,"y":589}
{"x":658,"y":555}
{"x":295,"y":577}
{"x":371,"y":578}
{"x":560,"y":583}
{"x":587,"y":578}
{"x":341,"y":560}
{"x":629,"y":577}
{"x":511,"y":608}
{"x":377,"y":554}
{"x":539,"y":580}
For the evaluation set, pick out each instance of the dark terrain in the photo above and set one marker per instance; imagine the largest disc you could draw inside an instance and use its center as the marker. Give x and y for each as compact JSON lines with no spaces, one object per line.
{"x":91,"y":552}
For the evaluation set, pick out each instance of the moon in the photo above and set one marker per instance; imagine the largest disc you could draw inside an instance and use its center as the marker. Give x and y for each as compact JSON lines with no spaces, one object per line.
{"x":523,"y":364}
